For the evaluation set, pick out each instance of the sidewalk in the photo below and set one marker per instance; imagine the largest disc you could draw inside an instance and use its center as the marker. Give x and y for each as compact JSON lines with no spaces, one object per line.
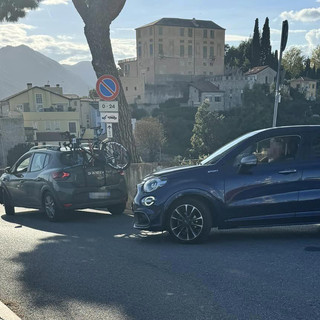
{"x":6,"y":313}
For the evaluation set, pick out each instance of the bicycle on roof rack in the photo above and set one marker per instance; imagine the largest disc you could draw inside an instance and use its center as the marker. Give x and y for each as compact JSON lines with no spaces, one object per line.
{"x":111,"y":153}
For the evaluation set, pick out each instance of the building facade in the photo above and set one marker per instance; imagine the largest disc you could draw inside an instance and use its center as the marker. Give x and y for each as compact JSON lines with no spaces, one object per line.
{"x":44,"y":110}
{"x":260,"y":75}
{"x":205,"y":91}
{"x":133,"y":86}
{"x":306,"y":86}
{"x":172,"y":52}
{"x":232,"y":83}
{"x":179,"y":47}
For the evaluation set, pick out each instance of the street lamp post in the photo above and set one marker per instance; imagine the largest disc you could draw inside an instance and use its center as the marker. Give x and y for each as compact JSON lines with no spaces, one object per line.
{"x":284,"y":38}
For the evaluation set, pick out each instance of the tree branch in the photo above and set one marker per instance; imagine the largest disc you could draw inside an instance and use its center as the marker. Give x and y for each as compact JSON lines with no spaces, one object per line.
{"x":82,"y":9}
{"x":115,"y":7}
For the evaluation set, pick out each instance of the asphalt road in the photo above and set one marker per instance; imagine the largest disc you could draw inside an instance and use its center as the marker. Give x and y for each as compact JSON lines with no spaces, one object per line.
{"x":95,"y":266}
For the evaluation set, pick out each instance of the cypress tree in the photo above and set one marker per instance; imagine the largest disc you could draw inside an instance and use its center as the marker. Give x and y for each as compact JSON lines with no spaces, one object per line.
{"x":255,"y":47}
{"x":265,"y":57}
{"x":275,"y":61}
{"x":307,"y":68}
{"x":313,"y":73}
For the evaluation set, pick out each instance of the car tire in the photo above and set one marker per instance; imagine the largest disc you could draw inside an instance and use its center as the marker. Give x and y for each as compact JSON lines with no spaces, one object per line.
{"x":50,"y":208}
{"x":117,"y":209}
{"x":8,"y":207}
{"x":189,"y":221}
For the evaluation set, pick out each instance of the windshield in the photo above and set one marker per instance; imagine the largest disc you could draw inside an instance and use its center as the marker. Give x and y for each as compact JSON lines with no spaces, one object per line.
{"x":217,"y":155}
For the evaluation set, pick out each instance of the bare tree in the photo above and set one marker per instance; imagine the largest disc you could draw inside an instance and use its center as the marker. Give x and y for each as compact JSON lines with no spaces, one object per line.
{"x":149,"y":134}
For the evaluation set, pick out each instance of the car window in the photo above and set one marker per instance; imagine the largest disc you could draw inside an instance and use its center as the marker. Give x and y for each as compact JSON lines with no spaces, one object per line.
{"x":23,"y":164}
{"x":271,"y":150}
{"x":38,"y":161}
{"x":71,"y":158}
{"x":46,"y":161}
{"x":218,"y":154}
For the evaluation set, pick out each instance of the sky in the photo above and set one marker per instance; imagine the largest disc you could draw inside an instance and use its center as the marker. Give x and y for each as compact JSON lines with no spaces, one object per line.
{"x":56,"y":29}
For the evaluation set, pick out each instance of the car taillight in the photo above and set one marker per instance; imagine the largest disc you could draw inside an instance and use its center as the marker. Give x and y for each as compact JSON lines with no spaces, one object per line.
{"x":121,"y":173}
{"x":60,"y":175}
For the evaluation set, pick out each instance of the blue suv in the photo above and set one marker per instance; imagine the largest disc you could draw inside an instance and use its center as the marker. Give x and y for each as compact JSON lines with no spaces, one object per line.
{"x":264,"y":178}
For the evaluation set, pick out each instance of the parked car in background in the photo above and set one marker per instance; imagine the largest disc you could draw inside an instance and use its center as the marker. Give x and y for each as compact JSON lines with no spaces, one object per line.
{"x":264,"y":178}
{"x":55,"y":181}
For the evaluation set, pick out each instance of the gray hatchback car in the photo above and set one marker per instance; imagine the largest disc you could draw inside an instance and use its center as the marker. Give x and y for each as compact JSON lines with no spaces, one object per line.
{"x":55,"y":181}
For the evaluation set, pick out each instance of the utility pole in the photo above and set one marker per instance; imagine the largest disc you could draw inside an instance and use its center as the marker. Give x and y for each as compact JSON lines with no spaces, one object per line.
{"x":284,"y":38}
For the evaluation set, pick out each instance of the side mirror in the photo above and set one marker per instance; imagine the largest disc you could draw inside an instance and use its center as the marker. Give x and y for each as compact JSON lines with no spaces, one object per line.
{"x":249,"y":161}
{"x":7,"y":169}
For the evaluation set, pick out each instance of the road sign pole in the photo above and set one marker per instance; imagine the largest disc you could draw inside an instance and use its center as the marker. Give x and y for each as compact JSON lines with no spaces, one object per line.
{"x":284,"y":38}
{"x":277,"y":94}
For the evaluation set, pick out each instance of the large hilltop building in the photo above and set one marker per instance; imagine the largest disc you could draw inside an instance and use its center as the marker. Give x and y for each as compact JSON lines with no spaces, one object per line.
{"x":172,"y":52}
{"x":179,"y":47}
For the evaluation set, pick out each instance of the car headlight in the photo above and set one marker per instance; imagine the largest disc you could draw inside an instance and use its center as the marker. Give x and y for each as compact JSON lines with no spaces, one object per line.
{"x":153,"y":184}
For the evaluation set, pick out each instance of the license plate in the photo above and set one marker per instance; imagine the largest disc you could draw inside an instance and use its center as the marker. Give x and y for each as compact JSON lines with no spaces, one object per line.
{"x":95,"y":173}
{"x":99,"y":195}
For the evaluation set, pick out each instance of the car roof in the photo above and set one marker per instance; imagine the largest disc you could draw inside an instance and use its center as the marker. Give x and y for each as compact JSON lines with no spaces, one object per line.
{"x":291,"y":129}
{"x":49,"y":150}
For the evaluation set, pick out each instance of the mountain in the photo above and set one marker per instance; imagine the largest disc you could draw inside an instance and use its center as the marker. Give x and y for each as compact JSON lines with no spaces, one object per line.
{"x":84,"y":70}
{"x":21,"y":65}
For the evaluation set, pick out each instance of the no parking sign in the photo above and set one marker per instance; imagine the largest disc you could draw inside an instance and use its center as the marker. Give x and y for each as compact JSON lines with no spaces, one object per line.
{"x":107,"y":87}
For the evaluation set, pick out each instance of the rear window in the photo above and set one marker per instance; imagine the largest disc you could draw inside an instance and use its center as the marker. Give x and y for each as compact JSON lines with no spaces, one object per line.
{"x":71,"y":158}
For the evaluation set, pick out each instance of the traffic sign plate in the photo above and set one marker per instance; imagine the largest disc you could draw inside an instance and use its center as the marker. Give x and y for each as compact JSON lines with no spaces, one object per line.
{"x":107,"y":87}
{"x":110,"y":117}
{"x":111,"y":106}
{"x":109,"y":130}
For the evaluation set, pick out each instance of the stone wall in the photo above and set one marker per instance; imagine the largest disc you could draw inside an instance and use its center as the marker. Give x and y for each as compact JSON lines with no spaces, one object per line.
{"x":156,"y":94}
{"x":11,"y":134}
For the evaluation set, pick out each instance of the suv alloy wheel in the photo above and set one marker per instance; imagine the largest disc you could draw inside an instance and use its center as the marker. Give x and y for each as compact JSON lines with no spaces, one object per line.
{"x":50,"y":207}
{"x":189,"y":221}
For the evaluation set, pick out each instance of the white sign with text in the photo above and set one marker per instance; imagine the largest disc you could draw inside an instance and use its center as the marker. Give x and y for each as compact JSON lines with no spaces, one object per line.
{"x":108,"y":106}
{"x":110,"y":117}
{"x":109,"y":130}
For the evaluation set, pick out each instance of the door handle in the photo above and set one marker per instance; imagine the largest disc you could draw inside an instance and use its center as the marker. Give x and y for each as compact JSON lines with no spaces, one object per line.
{"x":288,"y":171}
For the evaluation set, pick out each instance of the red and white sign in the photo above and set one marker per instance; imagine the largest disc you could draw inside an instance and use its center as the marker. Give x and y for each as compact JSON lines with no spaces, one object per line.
{"x":107,"y":87}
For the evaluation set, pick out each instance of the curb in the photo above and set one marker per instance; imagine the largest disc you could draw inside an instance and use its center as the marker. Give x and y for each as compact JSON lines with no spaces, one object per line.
{"x":6,"y":313}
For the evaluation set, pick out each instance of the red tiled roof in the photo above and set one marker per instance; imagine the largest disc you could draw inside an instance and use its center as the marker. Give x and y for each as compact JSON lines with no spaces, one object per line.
{"x":256,"y":70}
